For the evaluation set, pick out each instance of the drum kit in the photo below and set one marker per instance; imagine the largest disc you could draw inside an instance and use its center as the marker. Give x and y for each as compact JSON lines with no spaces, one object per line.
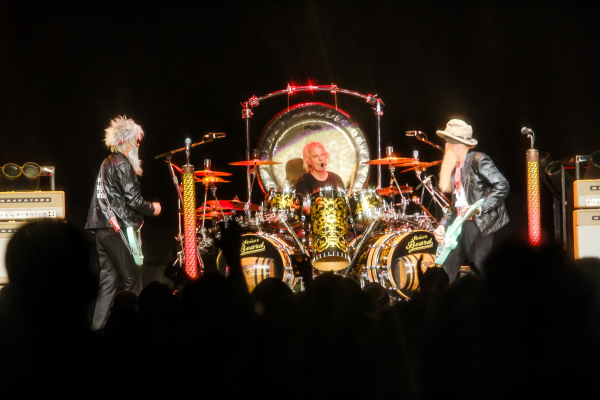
{"x":364,"y":234}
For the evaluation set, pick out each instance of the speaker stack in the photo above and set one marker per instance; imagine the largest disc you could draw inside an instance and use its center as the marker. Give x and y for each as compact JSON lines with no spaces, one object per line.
{"x":586,"y":216}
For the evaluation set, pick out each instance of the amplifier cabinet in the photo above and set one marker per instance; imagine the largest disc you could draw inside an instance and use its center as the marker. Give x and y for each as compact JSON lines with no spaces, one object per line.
{"x":7,"y":229}
{"x":15,"y":206}
{"x":586,"y":193}
{"x":586,"y":233}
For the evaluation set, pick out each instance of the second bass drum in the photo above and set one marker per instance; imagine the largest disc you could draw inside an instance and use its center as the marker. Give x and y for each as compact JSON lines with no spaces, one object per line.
{"x":391,"y":259}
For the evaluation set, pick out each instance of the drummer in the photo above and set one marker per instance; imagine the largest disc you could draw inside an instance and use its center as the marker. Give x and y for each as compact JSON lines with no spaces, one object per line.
{"x":316,"y":159}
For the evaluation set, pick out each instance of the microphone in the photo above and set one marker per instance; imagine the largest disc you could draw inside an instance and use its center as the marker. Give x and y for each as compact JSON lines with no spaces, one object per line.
{"x":188,"y":143}
{"x":212,"y":136}
{"x":413,"y":133}
{"x":422,"y":183}
{"x":323,"y":164}
{"x":526,"y":131}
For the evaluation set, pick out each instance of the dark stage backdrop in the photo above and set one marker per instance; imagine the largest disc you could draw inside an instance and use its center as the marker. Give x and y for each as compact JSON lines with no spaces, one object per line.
{"x":180,"y":70}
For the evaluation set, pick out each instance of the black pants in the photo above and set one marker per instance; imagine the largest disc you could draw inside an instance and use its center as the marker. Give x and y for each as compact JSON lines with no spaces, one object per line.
{"x":472,"y":245}
{"x":115,"y":262}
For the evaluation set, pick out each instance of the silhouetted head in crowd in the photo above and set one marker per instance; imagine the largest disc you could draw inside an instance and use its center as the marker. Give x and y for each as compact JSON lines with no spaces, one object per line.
{"x":269,"y":292}
{"x":48,"y":262}
{"x":378,"y":293}
{"x":125,"y":302}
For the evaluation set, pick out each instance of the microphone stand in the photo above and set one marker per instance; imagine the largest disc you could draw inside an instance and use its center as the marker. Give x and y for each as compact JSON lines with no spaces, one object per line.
{"x":423,"y":138}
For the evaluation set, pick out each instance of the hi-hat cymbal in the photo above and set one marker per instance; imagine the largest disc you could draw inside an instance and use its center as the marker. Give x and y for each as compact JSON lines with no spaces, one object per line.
{"x":418,"y":165}
{"x":251,"y":163}
{"x":210,"y":179}
{"x":390,"y":160}
{"x":208,"y":172}
{"x":391,"y":191}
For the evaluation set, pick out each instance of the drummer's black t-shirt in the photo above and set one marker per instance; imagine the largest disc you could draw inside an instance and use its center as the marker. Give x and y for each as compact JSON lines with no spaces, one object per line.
{"x":308,"y":183}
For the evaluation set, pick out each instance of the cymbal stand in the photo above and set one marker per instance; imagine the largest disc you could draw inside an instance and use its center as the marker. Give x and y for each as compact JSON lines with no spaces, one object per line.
{"x":437,"y":196}
{"x":404,"y":201}
{"x":179,"y":236}
{"x":252,"y":176}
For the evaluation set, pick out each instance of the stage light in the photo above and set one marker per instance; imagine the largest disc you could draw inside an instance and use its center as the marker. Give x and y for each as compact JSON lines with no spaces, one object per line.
{"x":189,"y":221}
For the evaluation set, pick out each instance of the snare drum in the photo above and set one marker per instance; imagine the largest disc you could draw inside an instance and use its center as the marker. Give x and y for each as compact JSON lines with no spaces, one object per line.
{"x":329,"y":228}
{"x":283,"y":202}
{"x":391,"y":259}
{"x":264,"y":256}
{"x":364,"y":204}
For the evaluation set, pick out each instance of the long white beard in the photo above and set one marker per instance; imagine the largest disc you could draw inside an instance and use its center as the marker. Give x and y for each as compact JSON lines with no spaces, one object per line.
{"x":135,"y":161}
{"x":446,"y":170}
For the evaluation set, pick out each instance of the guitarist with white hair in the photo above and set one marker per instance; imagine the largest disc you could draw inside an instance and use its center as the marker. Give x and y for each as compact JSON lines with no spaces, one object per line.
{"x":470,"y":176}
{"x":116,"y":214}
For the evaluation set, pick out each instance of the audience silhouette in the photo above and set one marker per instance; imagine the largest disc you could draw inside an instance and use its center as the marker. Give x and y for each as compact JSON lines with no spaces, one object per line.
{"x":530,"y":328}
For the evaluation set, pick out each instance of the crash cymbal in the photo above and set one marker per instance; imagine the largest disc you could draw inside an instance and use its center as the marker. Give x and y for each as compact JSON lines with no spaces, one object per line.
{"x":391,"y":191}
{"x":251,"y":163}
{"x":240,"y":205}
{"x":220,"y":204}
{"x":390,"y":160}
{"x":210,"y":179}
{"x":208,"y":172}
{"x":213,"y":214}
{"x":419,"y":165}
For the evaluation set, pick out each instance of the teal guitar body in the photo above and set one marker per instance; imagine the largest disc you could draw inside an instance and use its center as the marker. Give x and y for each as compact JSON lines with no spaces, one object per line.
{"x":452,"y":233}
{"x":134,"y":238}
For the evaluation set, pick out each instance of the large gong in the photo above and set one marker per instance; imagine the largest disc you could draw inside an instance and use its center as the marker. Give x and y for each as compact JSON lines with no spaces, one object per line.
{"x":285,"y":136}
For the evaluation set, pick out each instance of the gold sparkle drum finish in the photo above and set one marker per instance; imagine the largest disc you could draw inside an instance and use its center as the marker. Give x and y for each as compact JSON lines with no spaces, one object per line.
{"x":391,"y":259}
{"x":283,"y":203}
{"x":365,"y":205}
{"x":329,"y":228}
{"x":264,"y":256}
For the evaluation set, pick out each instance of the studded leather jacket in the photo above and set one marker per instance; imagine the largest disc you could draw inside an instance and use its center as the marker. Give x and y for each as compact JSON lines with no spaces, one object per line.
{"x":122,"y":188}
{"x":481,"y":179}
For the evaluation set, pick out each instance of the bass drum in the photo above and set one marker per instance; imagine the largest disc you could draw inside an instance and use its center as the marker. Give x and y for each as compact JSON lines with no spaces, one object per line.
{"x":391,"y":259}
{"x":263,"y":256}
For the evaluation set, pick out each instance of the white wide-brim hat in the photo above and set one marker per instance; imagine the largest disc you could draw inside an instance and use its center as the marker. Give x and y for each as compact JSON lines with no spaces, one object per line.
{"x":458,"y":131}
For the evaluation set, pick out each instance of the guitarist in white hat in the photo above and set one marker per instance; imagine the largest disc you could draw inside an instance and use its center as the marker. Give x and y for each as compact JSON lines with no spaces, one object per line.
{"x":470,"y":176}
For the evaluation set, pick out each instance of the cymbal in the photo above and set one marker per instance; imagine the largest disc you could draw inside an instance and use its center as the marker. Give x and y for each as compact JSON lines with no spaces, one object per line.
{"x":251,"y":163}
{"x":208,"y":172}
{"x":240,"y":205}
{"x":390,"y":191}
{"x":210,"y":179}
{"x":234,"y":204}
{"x":419,"y":165}
{"x":220,"y":204}
{"x":212,"y":214}
{"x":390,"y":160}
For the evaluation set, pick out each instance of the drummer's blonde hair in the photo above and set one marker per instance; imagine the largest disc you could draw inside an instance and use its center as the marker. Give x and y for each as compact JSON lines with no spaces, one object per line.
{"x":305,"y":155}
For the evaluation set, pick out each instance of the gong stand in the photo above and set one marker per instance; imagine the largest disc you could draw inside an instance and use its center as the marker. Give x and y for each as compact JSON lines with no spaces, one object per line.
{"x":254,"y":101}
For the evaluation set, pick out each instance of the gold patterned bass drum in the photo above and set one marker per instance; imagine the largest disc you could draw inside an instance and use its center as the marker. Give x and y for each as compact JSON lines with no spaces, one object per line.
{"x":263,"y":256}
{"x":391,"y":259}
{"x":329,"y":228}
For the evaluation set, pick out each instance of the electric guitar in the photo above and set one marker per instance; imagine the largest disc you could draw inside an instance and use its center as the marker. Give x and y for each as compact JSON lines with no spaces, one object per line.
{"x":134,"y":238}
{"x":452,"y":233}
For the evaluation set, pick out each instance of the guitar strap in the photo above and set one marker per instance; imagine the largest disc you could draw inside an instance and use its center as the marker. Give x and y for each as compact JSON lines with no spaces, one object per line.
{"x":113,"y":218}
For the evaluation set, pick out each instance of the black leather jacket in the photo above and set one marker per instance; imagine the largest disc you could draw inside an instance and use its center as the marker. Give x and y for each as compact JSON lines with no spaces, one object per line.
{"x":122,"y":188}
{"x":481,"y":179}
